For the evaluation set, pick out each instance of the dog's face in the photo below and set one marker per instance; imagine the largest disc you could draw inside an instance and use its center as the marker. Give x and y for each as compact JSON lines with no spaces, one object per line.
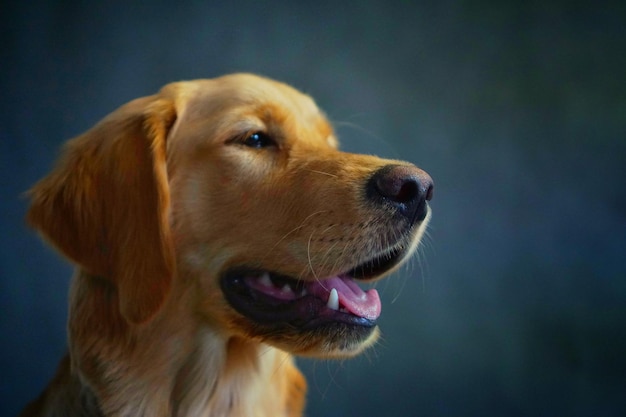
{"x":229,"y":197}
{"x":275,"y":227}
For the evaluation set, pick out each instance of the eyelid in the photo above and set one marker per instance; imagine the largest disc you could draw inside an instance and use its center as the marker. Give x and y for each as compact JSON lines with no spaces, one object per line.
{"x":240,"y":139}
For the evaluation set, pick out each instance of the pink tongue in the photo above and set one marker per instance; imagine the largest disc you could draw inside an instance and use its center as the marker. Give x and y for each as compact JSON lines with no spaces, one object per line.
{"x":351,"y":296}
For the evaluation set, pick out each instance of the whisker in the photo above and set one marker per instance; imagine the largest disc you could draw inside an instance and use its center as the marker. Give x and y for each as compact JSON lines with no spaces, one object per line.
{"x":399,"y":291}
{"x":403,"y":279}
{"x":281,"y":364}
{"x":327,"y":229}
{"x":308,"y":255}
{"x":368,"y":133}
{"x":326,"y":257}
{"x":343,"y":254}
{"x":423,"y":262}
{"x":295,"y":229}
{"x":321,"y":172}
{"x":359,"y":128}
{"x":333,"y":375}
{"x":340,"y":257}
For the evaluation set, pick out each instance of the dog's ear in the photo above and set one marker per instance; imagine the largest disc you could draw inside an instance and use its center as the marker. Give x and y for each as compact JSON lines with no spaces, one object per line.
{"x":105,"y":205}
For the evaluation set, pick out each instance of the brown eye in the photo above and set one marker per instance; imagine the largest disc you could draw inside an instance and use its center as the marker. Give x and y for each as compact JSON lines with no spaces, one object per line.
{"x":259,"y":140}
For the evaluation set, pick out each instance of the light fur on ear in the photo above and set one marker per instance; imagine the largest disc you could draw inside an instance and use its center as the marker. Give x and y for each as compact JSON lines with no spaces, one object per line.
{"x":105,"y":205}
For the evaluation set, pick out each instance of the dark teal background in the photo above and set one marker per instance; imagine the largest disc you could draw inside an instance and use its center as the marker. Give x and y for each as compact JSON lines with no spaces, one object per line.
{"x":516,"y":304}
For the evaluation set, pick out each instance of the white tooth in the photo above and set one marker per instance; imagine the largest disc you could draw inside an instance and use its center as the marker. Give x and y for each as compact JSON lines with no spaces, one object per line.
{"x":303,"y":292}
{"x":333,"y":300}
{"x":287,"y":288}
{"x":265,"y":280}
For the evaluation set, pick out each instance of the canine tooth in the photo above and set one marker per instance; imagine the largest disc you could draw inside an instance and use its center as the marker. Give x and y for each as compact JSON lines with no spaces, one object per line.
{"x":265,"y":280}
{"x":333,"y":300}
{"x":286,"y":288}
{"x":303,"y":292}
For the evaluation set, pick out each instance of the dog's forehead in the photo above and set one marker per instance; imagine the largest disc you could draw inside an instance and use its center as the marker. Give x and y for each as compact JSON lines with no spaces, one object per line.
{"x":244,"y":93}
{"x":241,"y":98}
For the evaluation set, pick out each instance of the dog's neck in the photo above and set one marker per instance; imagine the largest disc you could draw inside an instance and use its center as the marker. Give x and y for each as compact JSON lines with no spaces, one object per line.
{"x":250,"y":381}
{"x":167,"y":369}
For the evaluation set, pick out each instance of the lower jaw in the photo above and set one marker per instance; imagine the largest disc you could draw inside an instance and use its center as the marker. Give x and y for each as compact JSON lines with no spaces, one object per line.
{"x":306,"y":329}
{"x":330,"y":340}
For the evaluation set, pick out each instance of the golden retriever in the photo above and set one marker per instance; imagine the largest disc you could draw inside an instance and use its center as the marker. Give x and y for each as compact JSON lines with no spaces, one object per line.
{"x":217,"y":230}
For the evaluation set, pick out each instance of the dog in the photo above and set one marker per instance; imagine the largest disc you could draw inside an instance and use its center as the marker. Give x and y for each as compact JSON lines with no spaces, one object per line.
{"x":217,"y":231}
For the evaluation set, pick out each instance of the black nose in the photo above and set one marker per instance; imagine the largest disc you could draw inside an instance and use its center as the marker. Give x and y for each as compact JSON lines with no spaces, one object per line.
{"x":404,"y":187}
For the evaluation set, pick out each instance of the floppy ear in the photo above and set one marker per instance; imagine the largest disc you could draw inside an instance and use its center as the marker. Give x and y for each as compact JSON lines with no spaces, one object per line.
{"x":105,"y":205}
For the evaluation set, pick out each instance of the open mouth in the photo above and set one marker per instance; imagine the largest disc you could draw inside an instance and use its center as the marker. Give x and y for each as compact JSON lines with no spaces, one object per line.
{"x":273,"y":299}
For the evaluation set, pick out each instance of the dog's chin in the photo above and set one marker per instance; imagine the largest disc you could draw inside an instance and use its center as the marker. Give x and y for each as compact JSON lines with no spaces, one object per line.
{"x":330,"y":317}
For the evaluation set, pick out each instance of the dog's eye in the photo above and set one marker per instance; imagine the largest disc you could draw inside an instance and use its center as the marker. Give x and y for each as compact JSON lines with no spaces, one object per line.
{"x":259,"y":140}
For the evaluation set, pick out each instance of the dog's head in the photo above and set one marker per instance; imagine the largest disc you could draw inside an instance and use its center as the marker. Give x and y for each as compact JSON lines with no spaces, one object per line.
{"x":233,"y":191}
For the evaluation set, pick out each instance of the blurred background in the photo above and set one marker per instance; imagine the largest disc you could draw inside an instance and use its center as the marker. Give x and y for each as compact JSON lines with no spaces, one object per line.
{"x":516,"y":304}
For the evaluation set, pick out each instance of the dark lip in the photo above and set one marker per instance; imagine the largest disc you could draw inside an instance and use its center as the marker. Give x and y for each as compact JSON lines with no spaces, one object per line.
{"x":307,"y":312}
{"x":379,"y":265}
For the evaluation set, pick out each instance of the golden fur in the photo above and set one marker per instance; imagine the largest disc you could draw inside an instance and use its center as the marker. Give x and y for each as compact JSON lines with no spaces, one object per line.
{"x":166,"y":195}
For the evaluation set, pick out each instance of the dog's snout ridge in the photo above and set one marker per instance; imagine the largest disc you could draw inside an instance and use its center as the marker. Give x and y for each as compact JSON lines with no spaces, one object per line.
{"x":405,"y":187}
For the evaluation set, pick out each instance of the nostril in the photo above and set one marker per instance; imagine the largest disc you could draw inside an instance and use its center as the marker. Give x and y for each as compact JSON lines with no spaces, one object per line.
{"x":398,"y":189}
{"x":408,"y":191}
